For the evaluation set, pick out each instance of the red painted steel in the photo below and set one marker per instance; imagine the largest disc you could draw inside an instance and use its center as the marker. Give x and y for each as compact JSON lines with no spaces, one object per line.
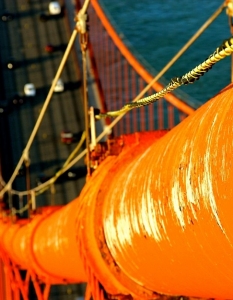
{"x":134,"y":62}
{"x":156,"y":218}
{"x":55,"y":246}
{"x":43,"y":247}
{"x":7,"y":239}
{"x":2,"y":281}
{"x":118,"y":73}
{"x":167,"y":217}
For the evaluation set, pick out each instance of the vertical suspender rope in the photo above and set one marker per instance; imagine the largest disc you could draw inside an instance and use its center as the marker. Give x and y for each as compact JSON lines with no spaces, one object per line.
{"x":41,"y":115}
{"x":46,"y":103}
{"x":171,"y":62}
{"x":106,"y":130}
{"x":83,"y":44}
{"x":83,"y":39}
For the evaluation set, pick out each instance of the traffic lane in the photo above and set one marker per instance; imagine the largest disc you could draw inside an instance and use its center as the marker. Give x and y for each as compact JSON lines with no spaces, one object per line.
{"x":56,"y":113}
{"x":7,"y":143}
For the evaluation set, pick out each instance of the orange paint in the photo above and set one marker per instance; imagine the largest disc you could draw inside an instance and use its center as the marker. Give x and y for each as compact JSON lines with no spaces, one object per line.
{"x":7,"y":241}
{"x":156,"y":219}
{"x":2,"y":281}
{"x":167,"y":217}
{"x":171,"y":98}
{"x":43,"y":247}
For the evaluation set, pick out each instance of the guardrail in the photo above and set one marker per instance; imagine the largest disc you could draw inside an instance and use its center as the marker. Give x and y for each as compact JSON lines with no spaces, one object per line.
{"x":121,"y":77}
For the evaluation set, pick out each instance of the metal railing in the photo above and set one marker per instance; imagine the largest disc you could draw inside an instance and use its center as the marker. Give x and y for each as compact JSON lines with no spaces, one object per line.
{"x":121,"y":77}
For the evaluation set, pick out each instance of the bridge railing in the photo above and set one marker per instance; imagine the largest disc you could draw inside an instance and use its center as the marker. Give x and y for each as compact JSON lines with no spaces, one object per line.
{"x":121,"y":77}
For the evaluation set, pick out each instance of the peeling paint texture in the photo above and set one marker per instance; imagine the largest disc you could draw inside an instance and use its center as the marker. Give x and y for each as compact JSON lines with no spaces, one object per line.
{"x":157,"y":218}
{"x":168,"y":216}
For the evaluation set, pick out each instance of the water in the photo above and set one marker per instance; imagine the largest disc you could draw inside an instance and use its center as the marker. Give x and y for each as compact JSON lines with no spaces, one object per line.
{"x":156,"y":30}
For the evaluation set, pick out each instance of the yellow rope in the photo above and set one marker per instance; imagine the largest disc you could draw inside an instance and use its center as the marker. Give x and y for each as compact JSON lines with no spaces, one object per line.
{"x":38,"y":190}
{"x":47,"y":100}
{"x":75,"y":151}
{"x":65,"y":166}
{"x":221,"y":52}
{"x":7,"y":187}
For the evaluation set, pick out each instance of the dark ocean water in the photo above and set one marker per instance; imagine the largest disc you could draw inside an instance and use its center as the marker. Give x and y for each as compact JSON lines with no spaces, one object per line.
{"x":156,"y":30}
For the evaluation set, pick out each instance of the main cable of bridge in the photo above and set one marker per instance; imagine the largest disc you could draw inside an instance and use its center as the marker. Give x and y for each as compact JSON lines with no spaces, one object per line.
{"x":80,"y":25}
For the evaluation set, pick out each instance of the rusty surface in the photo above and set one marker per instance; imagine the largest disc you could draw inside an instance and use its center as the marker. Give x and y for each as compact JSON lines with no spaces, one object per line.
{"x":134,"y":146}
{"x":54,"y":246}
{"x":157,"y":218}
{"x":8,"y":238}
{"x":168,"y":216}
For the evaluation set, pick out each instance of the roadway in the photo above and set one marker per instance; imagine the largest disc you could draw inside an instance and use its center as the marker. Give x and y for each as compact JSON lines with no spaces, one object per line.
{"x":23,"y":39}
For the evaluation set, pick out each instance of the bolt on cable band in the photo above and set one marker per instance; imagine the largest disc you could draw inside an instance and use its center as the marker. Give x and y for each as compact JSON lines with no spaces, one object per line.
{"x":225,"y":49}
